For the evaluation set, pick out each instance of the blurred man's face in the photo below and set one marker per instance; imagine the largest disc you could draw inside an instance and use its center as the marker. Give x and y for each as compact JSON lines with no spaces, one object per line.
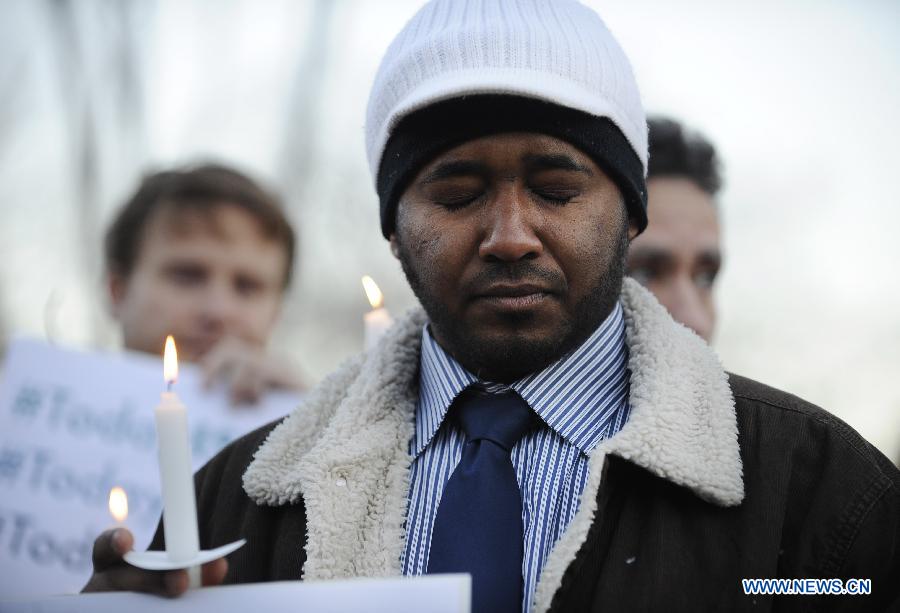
{"x":200,"y":277}
{"x":515,"y":246}
{"x":678,"y":257}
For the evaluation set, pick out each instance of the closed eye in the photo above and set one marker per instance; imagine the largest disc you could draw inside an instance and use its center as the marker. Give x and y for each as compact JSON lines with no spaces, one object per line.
{"x":457,"y":199}
{"x":561,"y":196}
{"x":248,"y":286}
{"x":185,"y":274}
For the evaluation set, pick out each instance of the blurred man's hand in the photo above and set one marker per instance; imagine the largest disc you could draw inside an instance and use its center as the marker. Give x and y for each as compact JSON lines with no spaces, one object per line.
{"x":113,"y":574}
{"x":248,"y":370}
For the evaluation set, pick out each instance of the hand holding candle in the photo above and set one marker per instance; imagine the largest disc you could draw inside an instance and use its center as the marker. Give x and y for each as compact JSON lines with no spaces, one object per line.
{"x":378,"y":320}
{"x":179,"y":517}
{"x":175,"y":472}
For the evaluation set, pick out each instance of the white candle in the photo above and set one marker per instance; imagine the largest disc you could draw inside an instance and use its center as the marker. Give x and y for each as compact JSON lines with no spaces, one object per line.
{"x":378,"y":320}
{"x":175,"y":473}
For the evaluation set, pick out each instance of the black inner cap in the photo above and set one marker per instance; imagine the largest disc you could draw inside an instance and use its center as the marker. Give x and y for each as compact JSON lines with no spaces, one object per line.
{"x":424,"y":134}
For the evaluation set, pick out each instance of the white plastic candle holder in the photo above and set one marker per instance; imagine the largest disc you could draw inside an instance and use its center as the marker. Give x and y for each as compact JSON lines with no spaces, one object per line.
{"x":160,"y":560}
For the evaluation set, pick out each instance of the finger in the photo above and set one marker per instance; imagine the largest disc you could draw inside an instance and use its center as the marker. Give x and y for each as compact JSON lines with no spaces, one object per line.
{"x":247,"y":384}
{"x":109,"y":548}
{"x":279,"y":371}
{"x":217,"y":361}
{"x":175,"y":582}
{"x":126,"y":578}
{"x":213,"y":573}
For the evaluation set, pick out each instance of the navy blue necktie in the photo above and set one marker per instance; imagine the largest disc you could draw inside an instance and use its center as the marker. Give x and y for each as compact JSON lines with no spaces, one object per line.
{"x":478,"y":527}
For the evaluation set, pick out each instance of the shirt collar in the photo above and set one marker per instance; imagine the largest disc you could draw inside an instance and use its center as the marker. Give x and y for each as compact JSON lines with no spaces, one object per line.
{"x":580,"y":396}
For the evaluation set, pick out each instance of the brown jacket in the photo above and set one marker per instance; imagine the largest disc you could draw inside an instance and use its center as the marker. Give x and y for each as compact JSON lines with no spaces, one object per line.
{"x":715,"y":478}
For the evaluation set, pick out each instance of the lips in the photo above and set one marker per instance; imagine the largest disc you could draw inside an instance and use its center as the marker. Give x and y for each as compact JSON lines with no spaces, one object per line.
{"x":512,"y":290}
{"x":514,"y":296}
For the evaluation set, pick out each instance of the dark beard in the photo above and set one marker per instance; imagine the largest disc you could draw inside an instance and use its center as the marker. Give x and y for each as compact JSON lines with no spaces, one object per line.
{"x":520,"y":356}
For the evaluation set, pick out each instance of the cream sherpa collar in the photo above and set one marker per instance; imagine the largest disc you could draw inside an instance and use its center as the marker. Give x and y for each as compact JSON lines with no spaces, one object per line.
{"x":345,"y":451}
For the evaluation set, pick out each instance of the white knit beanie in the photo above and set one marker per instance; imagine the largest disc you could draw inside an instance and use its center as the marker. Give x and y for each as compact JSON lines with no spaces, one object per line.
{"x":557,"y":51}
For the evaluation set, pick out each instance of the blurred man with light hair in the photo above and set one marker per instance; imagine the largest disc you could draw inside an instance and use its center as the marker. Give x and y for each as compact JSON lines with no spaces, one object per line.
{"x":205,"y":254}
{"x":679,"y":255}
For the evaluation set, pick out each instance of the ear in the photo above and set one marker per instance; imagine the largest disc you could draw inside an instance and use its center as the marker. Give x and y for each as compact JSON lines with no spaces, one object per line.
{"x":395,"y":245}
{"x":632,"y":230}
{"x":116,"y":288}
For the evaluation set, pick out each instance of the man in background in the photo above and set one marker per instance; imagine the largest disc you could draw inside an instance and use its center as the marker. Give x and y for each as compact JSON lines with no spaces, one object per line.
{"x":205,"y":254}
{"x":678,"y":256}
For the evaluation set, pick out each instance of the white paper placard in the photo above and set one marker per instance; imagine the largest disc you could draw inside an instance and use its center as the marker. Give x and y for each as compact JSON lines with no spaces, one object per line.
{"x":430,"y":594}
{"x":74,"y":424}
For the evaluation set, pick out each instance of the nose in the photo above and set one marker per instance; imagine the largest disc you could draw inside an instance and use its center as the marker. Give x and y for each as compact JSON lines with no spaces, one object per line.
{"x":219,"y":306}
{"x":686,"y":304}
{"x":509,"y":228}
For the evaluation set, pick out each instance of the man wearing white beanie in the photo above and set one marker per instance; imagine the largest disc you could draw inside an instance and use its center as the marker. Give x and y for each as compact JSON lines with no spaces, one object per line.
{"x":541,"y":423}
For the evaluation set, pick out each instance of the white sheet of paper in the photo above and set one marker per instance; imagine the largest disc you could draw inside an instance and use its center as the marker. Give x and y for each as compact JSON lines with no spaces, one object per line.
{"x":430,"y":594}
{"x":74,"y":424}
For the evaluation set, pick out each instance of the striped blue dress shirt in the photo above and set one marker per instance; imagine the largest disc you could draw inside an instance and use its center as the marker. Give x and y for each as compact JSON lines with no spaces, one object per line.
{"x":581,"y":400}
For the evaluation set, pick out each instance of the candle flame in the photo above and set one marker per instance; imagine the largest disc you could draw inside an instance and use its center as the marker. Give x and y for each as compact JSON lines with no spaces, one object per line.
{"x":170,"y":361}
{"x":118,"y":504}
{"x":376,"y":298}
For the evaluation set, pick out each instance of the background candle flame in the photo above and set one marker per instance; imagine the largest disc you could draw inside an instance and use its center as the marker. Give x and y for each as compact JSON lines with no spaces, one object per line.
{"x":118,"y":504}
{"x":372,"y":292}
{"x":170,"y":361}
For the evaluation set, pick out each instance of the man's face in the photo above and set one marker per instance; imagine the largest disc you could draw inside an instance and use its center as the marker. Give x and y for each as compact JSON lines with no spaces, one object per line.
{"x":515,"y":246}
{"x":677,"y":257}
{"x":200,"y":277}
